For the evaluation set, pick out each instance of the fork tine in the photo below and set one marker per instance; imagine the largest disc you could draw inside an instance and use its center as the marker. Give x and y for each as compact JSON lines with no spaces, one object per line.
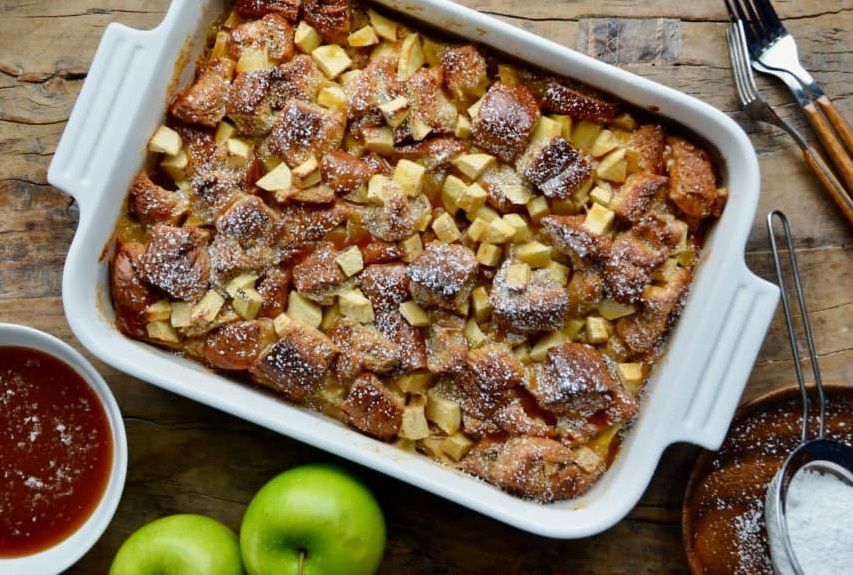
{"x":751,"y":35}
{"x":756,"y":23}
{"x":731,"y":11}
{"x":736,"y":52}
{"x":769,"y":17}
{"x":745,"y":64}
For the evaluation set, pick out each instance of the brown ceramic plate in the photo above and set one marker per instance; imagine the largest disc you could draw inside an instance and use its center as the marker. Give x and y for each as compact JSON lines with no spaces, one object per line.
{"x":723,"y":514}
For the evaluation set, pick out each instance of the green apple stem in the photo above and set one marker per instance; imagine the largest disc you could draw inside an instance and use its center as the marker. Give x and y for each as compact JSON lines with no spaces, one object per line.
{"x":301,"y":561}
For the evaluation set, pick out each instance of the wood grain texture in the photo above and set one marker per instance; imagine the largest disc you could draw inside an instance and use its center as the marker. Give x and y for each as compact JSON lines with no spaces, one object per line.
{"x":186,"y":457}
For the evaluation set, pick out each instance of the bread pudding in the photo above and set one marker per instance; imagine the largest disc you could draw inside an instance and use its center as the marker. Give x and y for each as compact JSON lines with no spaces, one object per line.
{"x":430,"y":242}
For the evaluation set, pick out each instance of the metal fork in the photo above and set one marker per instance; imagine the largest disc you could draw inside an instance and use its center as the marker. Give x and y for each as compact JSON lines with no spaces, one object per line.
{"x":758,"y":109}
{"x":774,"y":52}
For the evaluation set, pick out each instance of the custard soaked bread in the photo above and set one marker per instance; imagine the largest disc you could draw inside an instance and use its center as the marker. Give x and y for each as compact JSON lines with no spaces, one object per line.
{"x":443,"y":249}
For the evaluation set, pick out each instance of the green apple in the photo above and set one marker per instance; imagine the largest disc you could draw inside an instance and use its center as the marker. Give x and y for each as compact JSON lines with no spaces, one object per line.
{"x":313,"y":520}
{"x":180,"y":545}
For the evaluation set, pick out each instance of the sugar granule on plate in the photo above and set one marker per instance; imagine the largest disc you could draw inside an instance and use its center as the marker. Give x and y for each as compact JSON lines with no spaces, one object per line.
{"x":820,"y":522}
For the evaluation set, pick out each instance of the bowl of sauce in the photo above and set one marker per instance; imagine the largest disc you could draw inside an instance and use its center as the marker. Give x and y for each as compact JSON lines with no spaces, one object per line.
{"x":63,"y":453}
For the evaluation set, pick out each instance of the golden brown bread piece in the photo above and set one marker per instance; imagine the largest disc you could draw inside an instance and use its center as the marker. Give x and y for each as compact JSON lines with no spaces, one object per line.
{"x":627,"y":266}
{"x":274,"y":286}
{"x":213,"y":192}
{"x":433,"y":153}
{"x":573,"y":380}
{"x":362,"y":347}
{"x":380,"y":252}
{"x":465,"y":73}
{"x":533,"y":467}
{"x":344,"y":172}
{"x":203,"y":102}
{"x":176,"y":261}
{"x":554,"y":167}
{"x":636,"y":194}
{"x":249,"y":105}
{"x":373,"y":409}
{"x":331,"y":18}
{"x":644,"y":150}
{"x":247,"y":238}
{"x":131,"y":295}
{"x":304,"y":130}
{"x":376,"y":84}
{"x":272,"y":32}
{"x":493,"y":368}
{"x":386,"y":286}
{"x":296,"y":365}
{"x":540,"y":306}
{"x":692,"y":183}
{"x":238,"y":345}
{"x":643,"y":330}
{"x":561,"y":99}
{"x":443,"y":276}
{"x":569,"y":236}
{"x":445,"y":345}
{"x":289,"y":9}
{"x":395,"y":219}
{"x":298,"y":79}
{"x":428,"y":103}
{"x":304,"y":224}
{"x":152,"y":204}
{"x":505,"y":120}
{"x":585,"y":290}
{"x":319,"y":275}
{"x":496,"y":181}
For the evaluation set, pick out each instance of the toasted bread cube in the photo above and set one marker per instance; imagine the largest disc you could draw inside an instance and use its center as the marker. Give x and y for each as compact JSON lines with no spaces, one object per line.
{"x":473,"y":198}
{"x":485,"y":213}
{"x":572,"y":328}
{"x":253,"y":58}
{"x":631,"y":374}
{"x":538,"y":208}
{"x":508,"y":75}
{"x":602,"y":194}
{"x":411,"y":57}
{"x":473,"y":165}
{"x":445,"y":228}
{"x":480,"y":304}
{"x":419,"y":129}
{"x":613,"y":167}
{"x":280,"y":179}
{"x":499,"y":232}
{"x":383,"y":26}
{"x":350,"y":261}
{"x":331,"y":315}
{"x":363,"y":37}
{"x":477,"y":229}
{"x":206,"y":310}
{"x":597,"y":329}
{"x":517,"y":276}
{"x":176,"y":165}
{"x":162,"y":330}
{"x":415,"y":424}
{"x":307,"y":38}
{"x":535,"y":254}
{"x":333,"y":97}
{"x":181,"y":314}
{"x":587,"y":459}
{"x":331,"y":59}
{"x":303,"y":310}
{"x":585,"y":134}
{"x":463,"y":127}
{"x":517,"y":194}
{"x":165,"y":141}
{"x":159,"y":311}
{"x":546,"y":129}
{"x":354,"y":305}
{"x":540,"y":349}
{"x":242,"y":281}
{"x":599,"y":219}
{"x":610,"y":309}
{"x":409,"y":177}
{"x":247,"y":303}
{"x":473,"y":334}
{"x":565,"y":126}
{"x":224,"y":131}
{"x":489,"y":255}
{"x":417,"y":382}
{"x":395,"y":111}
{"x":522,"y":230}
{"x":474,"y":108}
{"x":457,"y":446}
{"x":412,"y":247}
{"x":624,"y":122}
{"x":451,"y":191}
{"x":605,"y":143}
{"x":559,"y":272}
{"x":446,"y":414}
{"x":414,"y":314}
{"x":379,"y":140}
{"x":522,"y":353}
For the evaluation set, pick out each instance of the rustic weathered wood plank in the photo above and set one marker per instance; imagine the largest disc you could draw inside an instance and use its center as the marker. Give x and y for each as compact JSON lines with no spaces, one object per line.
{"x":186,"y":457}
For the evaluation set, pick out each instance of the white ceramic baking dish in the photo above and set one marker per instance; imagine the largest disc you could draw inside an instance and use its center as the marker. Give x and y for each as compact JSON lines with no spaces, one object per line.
{"x":691,"y":397}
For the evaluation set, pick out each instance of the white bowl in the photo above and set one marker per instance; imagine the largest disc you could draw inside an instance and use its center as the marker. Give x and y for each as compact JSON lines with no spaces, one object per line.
{"x":64,"y":554}
{"x":691,"y":397}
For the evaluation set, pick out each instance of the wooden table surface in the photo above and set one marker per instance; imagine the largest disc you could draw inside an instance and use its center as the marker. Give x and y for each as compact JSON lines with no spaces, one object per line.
{"x":185,"y":457}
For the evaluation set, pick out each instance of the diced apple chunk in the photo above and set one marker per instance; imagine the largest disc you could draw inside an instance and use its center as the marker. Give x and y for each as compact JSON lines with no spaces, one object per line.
{"x":247,"y":302}
{"x":610,"y":309}
{"x":522,"y":230}
{"x":585,"y":134}
{"x":572,"y":328}
{"x":522,"y":353}
{"x":565,"y":126}
{"x":412,"y":248}
{"x":480,"y":303}
{"x":546,"y":129}
{"x":356,"y":306}
{"x":331,"y":59}
{"x":363,"y":37}
{"x":279,"y":179}
{"x":414,"y":314}
{"x":463,"y":127}
{"x":165,"y":141}
{"x":383,"y":26}
{"x":417,"y":382}
{"x":587,"y":459}
{"x":419,"y":129}
{"x":597,"y":329}
{"x":489,"y":254}
{"x":613,"y":167}
{"x":624,"y":122}
{"x":559,"y":273}
{"x":307,"y":38}
{"x":411,"y":57}
{"x":415,"y":424}
{"x":474,"y":109}
{"x":605,"y":143}
{"x":540,"y":349}
{"x":159,"y":310}
{"x":599,"y":219}
{"x":161,"y":330}
{"x":535,"y":254}
{"x":302,"y":310}
{"x":451,"y":191}
{"x":445,"y":228}
{"x":473,"y":198}
{"x":224,"y":131}
{"x":238,"y":148}
{"x":538,"y":208}
{"x":350,"y":261}
{"x":457,"y":446}
{"x":331,"y":315}
{"x":333,"y":97}
{"x":508,"y":75}
{"x":394,"y":111}
{"x":631,"y":374}
{"x":517,"y":194}
{"x":445,"y":414}
{"x":176,"y":165}
{"x":473,"y":165}
{"x":379,"y":140}
{"x":477,"y":229}
{"x":473,"y":334}
{"x":181,"y":314}
{"x":206,"y":310}
{"x":486,"y":213}
{"x":253,"y":58}
{"x":517,"y":276}
{"x":602,"y":194}
{"x":242,"y":281}
{"x":409,"y":177}
{"x":499,"y":232}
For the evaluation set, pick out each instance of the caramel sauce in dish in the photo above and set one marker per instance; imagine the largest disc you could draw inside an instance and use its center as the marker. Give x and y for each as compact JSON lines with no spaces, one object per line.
{"x":55,"y":451}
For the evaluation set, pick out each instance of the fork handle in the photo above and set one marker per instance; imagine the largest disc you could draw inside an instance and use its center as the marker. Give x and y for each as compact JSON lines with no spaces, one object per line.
{"x":834,"y":147}
{"x":830,"y":183}
{"x":837,"y":120}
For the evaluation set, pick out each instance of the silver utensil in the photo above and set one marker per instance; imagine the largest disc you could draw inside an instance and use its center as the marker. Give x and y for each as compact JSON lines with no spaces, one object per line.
{"x":759,"y":110}
{"x":774,"y":51}
{"x":823,"y":454}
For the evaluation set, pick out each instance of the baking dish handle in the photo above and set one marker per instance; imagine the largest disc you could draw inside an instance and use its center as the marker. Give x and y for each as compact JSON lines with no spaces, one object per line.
{"x":86,"y":159}
{"x":749,"y":308}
